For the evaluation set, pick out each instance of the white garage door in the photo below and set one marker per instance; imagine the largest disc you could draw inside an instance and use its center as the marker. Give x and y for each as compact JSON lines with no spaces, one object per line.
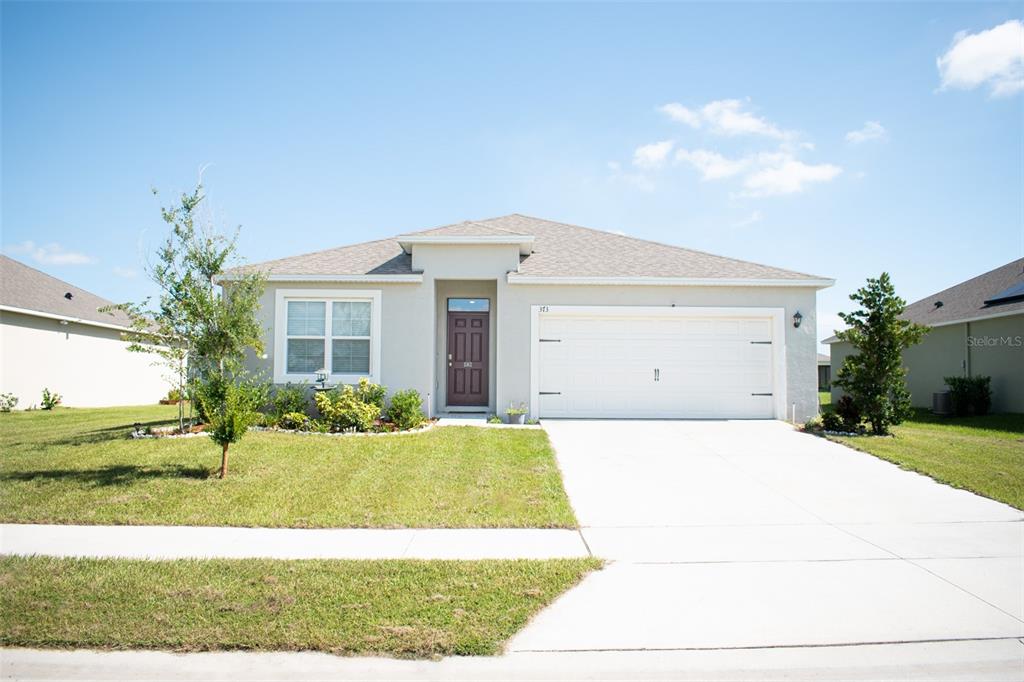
{"x":674,"y":366}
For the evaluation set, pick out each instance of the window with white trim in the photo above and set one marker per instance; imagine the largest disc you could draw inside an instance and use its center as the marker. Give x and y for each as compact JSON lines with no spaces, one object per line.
{"x":335,"y":333}
{"x":307,"y":321}
{"x":350,"y":337}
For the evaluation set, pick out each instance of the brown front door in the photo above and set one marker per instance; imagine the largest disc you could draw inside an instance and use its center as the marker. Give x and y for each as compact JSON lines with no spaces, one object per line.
{"x":468,"y":351}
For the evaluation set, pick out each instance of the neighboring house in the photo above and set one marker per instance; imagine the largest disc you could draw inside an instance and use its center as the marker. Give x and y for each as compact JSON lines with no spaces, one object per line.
{"x":977,"y":329}
{"x":824,"y":372}
{"x":53,"y":336}
{"x":570,"y":321}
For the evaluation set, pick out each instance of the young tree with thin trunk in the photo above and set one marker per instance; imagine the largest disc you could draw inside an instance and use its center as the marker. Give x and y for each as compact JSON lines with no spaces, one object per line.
{"x":202,"y":329}
{"x":874,"y":376}
{"x":231,"y":406}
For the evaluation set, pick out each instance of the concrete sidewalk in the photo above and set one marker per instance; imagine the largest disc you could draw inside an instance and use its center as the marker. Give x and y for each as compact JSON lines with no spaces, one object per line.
{"x":980,"y":660}
{"x":177,"y":542}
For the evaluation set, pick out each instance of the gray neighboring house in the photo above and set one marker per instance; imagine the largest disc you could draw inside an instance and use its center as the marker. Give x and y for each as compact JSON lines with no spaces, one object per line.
{"x":566,"y":320}
{"x":824,"y":372}
{"x":53,"y":335}
{"x":977,"y":329}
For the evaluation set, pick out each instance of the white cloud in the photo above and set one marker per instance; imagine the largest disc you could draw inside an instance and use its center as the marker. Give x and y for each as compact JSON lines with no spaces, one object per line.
{"x":871,"y":130}
{"x":677,"y":112}
{"x":652,"y":155}
{"x":784,"y":174}
{"x":51,"y":254}
{"x":762,"y":174}
{"x":727,"y":117}
{"x":724,"y":117}
{"x":768,"y":173}
{"x":994,"y":58}
{"x":127,"y":273}
{"x":754,"y":217}
{"x":712,"y":165}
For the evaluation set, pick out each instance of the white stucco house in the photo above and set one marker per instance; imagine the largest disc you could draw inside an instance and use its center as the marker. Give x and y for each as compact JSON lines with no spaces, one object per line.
{"x":53,"y":336}
{"x":570,"y":321}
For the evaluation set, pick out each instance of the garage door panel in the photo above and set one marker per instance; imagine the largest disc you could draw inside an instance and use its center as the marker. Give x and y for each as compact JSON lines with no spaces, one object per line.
{"x":603,"y":366}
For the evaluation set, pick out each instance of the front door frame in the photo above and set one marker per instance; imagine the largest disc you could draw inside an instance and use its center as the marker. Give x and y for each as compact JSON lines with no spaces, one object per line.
{"x":484,"y":400}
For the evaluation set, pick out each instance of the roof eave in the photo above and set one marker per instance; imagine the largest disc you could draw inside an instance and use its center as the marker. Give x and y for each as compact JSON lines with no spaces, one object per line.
{"x":974,"y":318}
{"x":820,"y":283}
{"x":414,"y":278}
{"x":949,"y":323}
{"x":64,"y":318}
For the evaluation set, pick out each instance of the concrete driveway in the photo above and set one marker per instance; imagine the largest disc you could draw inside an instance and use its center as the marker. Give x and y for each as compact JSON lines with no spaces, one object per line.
{"x":750,"y":534}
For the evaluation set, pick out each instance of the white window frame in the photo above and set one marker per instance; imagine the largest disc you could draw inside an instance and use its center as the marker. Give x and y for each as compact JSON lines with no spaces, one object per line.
{"x":328,"y":297}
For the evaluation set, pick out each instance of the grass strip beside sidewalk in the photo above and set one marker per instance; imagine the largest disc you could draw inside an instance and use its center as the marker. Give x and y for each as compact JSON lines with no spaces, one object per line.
{"x":394,"y":608}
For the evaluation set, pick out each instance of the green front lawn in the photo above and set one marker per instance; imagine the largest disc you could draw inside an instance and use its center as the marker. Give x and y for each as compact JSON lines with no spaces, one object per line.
{"x":79,"y":466}
{"x":982,"y":454}
{"x":395,"y":608}
{"x":824,"y":398}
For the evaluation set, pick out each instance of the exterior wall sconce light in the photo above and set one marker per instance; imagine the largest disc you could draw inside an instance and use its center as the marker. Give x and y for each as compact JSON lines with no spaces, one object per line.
{"x":797,"y":319}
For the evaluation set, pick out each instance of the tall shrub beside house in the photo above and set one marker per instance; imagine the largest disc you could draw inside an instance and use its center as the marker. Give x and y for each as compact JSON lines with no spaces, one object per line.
{"x":198,"y":329}
{"x":874,"y":376}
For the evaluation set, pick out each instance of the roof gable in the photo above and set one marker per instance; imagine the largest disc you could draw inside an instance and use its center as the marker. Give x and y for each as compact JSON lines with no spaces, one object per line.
{"x":467,"y":228}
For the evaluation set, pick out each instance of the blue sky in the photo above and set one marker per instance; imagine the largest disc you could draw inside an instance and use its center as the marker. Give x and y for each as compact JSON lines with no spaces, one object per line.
{"x":839,"y":139}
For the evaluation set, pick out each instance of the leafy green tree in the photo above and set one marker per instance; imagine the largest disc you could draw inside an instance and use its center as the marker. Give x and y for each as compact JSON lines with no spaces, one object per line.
{"x":874,"y":376}
{"x":231,"y":406}
{"x":199,"y":329}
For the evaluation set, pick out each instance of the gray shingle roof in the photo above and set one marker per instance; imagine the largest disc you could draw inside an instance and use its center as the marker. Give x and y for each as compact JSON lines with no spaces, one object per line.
{"x":562,"y":250}
{"x":967,"y":299}
{"x":559,"y":250}
{"x":382,"y":257}
{"x":24,"y":287}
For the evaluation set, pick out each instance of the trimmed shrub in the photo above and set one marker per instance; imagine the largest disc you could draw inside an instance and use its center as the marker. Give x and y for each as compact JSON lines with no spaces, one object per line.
{"x":288,"y":399}
{"x":813,"y":424}
{"x":371,"y":393}
{"x":830,"y":421}
{"x":344,"y":411}
{"x":849,"y":413}
{"x":970,"y":395}
{"x":299,"y":421}
{"x":50,"y":400}
{"x":405,"y":411}
{"x":8,"y":401}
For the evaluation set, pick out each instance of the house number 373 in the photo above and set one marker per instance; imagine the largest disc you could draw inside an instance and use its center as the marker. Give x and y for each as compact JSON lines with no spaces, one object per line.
{"x":544,"y":309}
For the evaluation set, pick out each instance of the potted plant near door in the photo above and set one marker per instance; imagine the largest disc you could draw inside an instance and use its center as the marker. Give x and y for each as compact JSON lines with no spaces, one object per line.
{"x":516,"y":413}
